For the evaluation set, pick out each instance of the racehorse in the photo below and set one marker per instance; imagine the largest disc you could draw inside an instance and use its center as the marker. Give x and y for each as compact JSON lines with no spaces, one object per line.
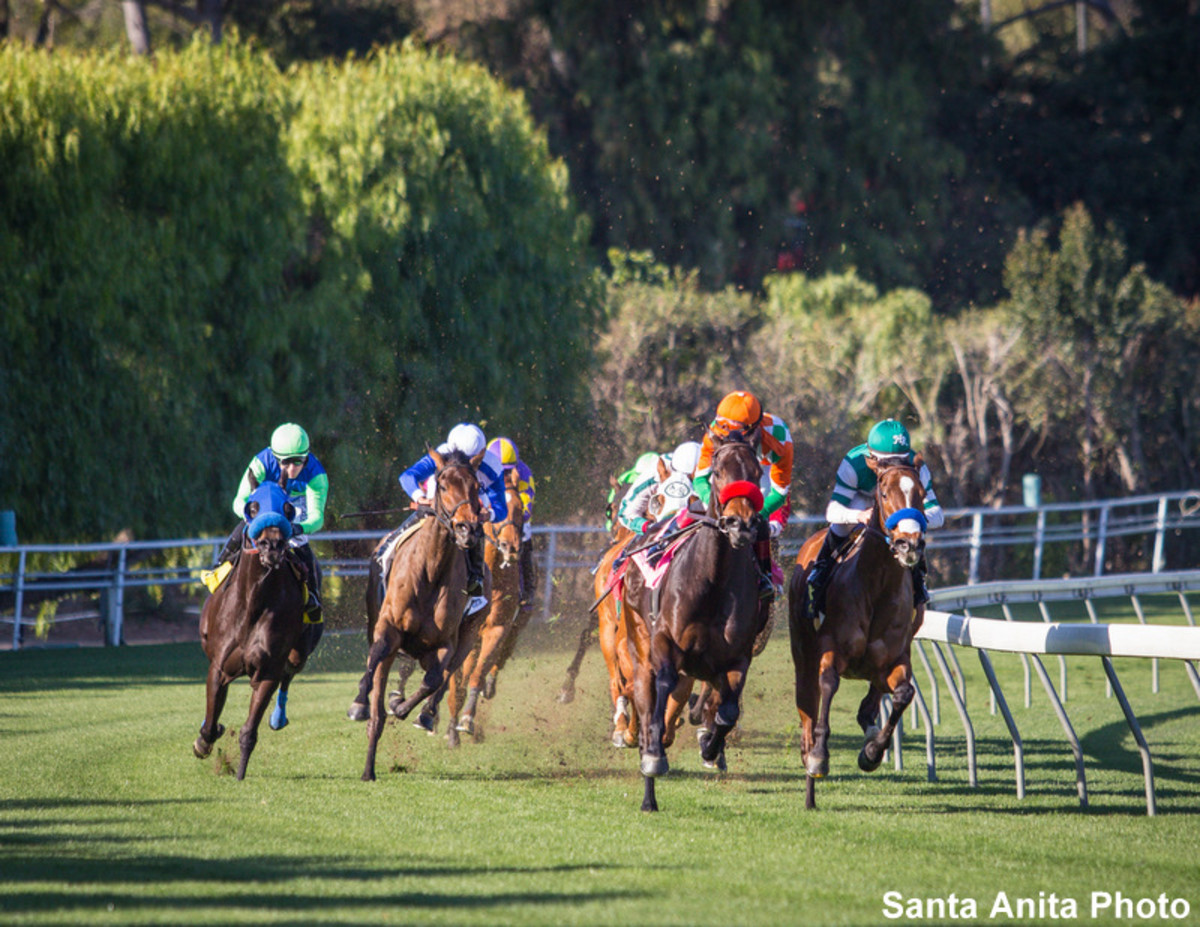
{"x":702,"y":620}
{"x":253,"y":624}
{"x":869,"y":622}
{"x":423,"y":608}
{"x":499,"y":631}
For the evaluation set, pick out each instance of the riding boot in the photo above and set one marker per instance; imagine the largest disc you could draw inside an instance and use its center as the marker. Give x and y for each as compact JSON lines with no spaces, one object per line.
{"x":528,"y":577}
{"x":818,"y":574}
{"x":920,"y":592}
{"x":474,"y":555}
{"x":766,"y":588}
{"x":312,"y":607}
{"x":233,"y":546}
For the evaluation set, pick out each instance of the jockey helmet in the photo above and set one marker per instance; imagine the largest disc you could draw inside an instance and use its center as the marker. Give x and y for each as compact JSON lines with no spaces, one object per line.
{"x":685,"y":457}
{"x":289,"y":440}
{"x":467,"y":438}
{"x":888,"y":438}
{"x":738,"y":411}
{"x":505,"y":450}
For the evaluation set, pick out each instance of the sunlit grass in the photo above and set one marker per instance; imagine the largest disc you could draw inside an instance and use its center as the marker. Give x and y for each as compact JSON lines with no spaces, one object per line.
{"x":105,"y":816}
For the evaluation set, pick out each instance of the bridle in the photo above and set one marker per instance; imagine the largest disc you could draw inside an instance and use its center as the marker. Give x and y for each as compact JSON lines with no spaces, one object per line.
{"x":464,"y":530}
{"x":735,"y":528}
{"x":904,"y":519}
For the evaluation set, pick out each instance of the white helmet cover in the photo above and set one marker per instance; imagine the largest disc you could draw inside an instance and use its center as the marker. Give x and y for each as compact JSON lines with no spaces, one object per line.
{"x":685,"y":457}
{"x":465,"y":437}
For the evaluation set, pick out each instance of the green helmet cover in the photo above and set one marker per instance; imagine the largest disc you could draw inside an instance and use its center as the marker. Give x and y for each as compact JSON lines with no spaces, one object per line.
{"x":889,"y":437}
{"x":289,"y":440}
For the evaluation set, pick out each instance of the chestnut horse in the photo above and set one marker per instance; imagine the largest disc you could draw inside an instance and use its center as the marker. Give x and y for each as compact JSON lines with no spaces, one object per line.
{"x":869,"y":622}
{"x":253,"y":624}
{"x":423,"y":608}
{"x":701,"y":622}
{"x":498,"y":633}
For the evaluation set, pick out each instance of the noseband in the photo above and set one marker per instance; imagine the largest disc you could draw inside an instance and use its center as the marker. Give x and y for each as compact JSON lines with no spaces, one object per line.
{"x":909,"y":519}
{"x":444,"y":516}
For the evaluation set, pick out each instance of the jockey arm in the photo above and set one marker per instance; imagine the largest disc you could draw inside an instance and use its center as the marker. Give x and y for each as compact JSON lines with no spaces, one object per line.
{"x":935,"y":517}
{"x":635,"y":504}
{"x":412,"y":479}
{"x":491,"y":481}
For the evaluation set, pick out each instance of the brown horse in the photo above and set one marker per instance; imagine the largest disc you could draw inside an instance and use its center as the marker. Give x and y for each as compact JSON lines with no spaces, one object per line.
{"x":253,"y":624}
{"x":423,"y":609}
{"x":502,"y":555}
{"x":701,"y":623}
{"x":869,"y":622}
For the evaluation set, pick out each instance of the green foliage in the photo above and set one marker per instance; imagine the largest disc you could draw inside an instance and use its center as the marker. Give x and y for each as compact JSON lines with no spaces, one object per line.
{"x":197,"y":248}
{"x":1109,"y":352}
{"x":447,"y":214}
{"x":146,"y":218}
{"x":668,"y":353}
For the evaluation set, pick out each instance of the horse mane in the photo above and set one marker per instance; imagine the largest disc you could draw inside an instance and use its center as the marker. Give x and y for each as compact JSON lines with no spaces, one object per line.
{"x":455,"y":457}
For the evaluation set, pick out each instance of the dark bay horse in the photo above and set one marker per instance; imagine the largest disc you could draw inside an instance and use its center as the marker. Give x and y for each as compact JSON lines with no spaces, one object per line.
{"x":869,"y":621}
{"x":497,"y":635}
{"x":253,"y":624}
{"x":422,"y":614}
{"x":701,"y":623}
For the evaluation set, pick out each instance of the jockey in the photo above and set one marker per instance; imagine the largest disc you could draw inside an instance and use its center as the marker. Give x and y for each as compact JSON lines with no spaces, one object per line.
{"x":635,"y":505}
{"x":288,"y":462}
{"x":506,"y":451}
{"x":468,"y":439}
{"x":644,"y":465}
{"x":853,"y":499}
{"x":741,"y":411}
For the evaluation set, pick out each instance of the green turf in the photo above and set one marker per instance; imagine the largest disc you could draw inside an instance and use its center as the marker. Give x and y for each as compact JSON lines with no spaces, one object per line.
{"x":106,"y":817}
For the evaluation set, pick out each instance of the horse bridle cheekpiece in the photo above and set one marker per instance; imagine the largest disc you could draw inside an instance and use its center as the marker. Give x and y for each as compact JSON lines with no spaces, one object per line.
{"x":470,"y":529}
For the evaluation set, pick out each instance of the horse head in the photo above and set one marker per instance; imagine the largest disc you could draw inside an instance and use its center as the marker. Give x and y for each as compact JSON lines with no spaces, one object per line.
{"x":736,"y":499}
{"x":507,"y":535}
{"x":456,"y":502}
{"x":899,"y":507}
{"x":268,"y":531}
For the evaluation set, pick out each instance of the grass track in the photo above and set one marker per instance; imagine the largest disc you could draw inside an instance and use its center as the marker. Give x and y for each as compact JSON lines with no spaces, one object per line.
{"x":106,"y":818}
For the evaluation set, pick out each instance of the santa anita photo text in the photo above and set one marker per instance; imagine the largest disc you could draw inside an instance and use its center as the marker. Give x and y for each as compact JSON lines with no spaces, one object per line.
{"x":1046,"y":906}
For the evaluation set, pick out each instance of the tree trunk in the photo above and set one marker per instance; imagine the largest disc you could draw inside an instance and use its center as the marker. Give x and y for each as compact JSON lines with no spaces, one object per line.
{"x":210,"y":13}
{"x":135,"y":26}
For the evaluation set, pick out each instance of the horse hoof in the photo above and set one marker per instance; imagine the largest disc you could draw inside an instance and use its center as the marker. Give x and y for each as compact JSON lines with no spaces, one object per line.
{"x":426,"y":722}
{"x":466,"y":724}
{"x":565,"y":697}
{"x":654,"y":766}
{"x":817,"y":767}
{"x":718,"y":764}
{"x":866,"y":764}
{"x":278,"y":720}
{"x":394,"y":701}
{"x":202,"y":748}
{"x":358,"y":712}
{"x":489,"y":688}
{"x":618,"y":739}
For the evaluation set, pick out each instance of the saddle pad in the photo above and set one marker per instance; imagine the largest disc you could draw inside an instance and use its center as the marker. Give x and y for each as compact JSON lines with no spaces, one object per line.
{"x":213,"y":578}
{"x":654,"y":565}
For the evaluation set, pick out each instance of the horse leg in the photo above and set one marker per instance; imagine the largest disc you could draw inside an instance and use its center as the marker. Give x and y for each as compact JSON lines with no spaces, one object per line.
{"x":654,"y":759}
{"x":829,"y":677}
{"x":696,"y":707}
{"x":279,"y":718}
{"x":712,"y":745}
{"x":807,"y":702}
{"x":477,"y":665}
{"x":248,"y":735}
{"x":567,"y":694}
{"x":360,"y":709}
{"x":216,"y":690}
{"x":899,"y":683}
{"x":404,"y":668}
{"x":379,"y":664}
{"x":676,"y":703}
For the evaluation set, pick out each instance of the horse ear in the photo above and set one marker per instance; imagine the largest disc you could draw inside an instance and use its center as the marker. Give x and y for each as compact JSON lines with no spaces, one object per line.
{"x":438,"y":460}
{"x":918,"y":462}
{"x":478,"y":459}
{"x":252,"y":511}
{"x":511,"y":479}
{"x":289,"y":511}
{"x":752,"y":434}
{"x":663,"y":470}
{"x":614,"y":482}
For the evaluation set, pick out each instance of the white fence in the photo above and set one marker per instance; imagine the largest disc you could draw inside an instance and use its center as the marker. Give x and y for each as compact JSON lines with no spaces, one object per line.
{"x":1086,"y":530}
{"x":1031,"y":640}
